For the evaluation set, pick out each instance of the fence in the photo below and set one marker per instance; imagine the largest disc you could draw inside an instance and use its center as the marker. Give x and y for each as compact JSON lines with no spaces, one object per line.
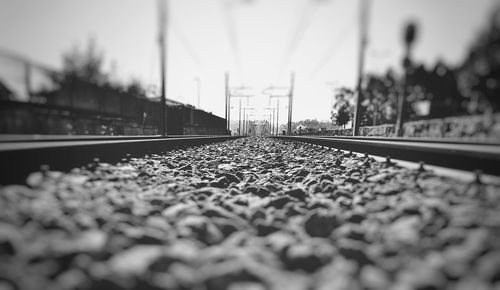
{"x":38,"y":100}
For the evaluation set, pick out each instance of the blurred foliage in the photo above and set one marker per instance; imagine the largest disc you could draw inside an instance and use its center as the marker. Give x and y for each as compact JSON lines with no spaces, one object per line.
{"x":479,"y":75}
{"x":473,"y":87}
{"x":86,"y":65}
{"x":342,"y":110}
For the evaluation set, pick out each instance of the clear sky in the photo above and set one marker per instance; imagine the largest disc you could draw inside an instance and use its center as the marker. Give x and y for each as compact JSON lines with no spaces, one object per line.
{"x":258,"y":41}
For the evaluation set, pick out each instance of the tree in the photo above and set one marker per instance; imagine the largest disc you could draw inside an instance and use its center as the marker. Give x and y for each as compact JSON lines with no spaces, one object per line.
{"x":479,"y":75}
{"x":86,"y":65}
{"x":135,"y":87}
{"x":342,"y":109}
{"x":343,"y":116}
{"x":379,"y":98}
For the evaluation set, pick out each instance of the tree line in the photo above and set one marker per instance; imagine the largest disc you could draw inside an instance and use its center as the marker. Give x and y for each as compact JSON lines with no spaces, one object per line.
{"x":472,"y":87}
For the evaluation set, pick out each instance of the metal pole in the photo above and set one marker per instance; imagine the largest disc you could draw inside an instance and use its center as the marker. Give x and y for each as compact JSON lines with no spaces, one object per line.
{"x":247,"y":123}
{"x":162,"y":5}
{"x":228,"y":99}
{"x":239,"y":119}
{"x":401,"y":106}
{"x":270,"y":122}
{"x":277,"y":116}
{"x":290,"y":102}
{"x":409,"y":38}
{"x":363,"y":23}
{"x":272,"y":127}
{"x":244,"y":121}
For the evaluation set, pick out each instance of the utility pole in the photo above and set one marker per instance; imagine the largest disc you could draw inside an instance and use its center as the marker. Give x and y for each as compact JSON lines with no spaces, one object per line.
{"x":251,"y":132}
{"x":230,"y":95}
{"x":272,"y":131}
{"x":277,"y":116}
{"x":228,"y":102}
{"x":363,"y":29}
{"x":248,"y":125}
{"x":245,"y":118}
{"x":409,"y":40}
{"x":271,"y":119}
{"x":290,"y":103}
{"x":271,"y":96}
{"x":244,"y":122}
{"x":162,"y":39}
{"x":270,"y":122}
{"x":239,"y":119}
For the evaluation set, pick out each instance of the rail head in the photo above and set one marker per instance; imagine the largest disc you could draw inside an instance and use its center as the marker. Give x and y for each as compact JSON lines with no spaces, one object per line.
{"x":18,"y":159}
{"x":452,"y":154}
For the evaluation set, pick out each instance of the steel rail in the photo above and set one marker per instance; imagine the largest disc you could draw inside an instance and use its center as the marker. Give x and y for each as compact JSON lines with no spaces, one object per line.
{"x":37,"y":138}
{"x":447,"y":153}
{"x":18,"y":159}
{"x":411,"y":139}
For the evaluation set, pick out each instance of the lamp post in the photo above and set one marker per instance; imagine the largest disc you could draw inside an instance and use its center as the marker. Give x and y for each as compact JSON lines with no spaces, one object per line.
{"x":410,"y":34}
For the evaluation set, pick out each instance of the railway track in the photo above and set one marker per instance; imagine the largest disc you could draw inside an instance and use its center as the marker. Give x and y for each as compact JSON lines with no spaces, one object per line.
{"x":22,"y":155}
{"x":456,"y":154}
{"x":251,"y":213}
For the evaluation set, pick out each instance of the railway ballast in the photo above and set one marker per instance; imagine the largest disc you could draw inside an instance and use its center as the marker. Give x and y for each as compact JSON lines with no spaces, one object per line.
{"x":251,"y":213}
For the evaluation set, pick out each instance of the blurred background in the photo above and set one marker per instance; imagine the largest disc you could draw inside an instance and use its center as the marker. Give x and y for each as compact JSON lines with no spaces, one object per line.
{"x":414,"y":68}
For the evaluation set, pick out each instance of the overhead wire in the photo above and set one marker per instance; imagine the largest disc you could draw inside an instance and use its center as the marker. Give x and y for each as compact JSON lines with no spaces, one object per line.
{"x":303,"y":22}
{"x":335,"y":45}
{"x":231,"y":33}
{"x":188,"y":47}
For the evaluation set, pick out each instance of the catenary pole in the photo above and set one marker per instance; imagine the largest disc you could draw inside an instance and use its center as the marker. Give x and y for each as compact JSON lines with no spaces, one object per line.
{"x":239,"y":118}
{"x":290,"y":103}
{"x":228,"y":102}
{"x":163,"y":30}
{"x":363,"y":29}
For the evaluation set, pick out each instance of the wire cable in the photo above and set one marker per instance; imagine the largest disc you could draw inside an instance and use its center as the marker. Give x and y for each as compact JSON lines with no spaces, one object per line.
{"x":231,"y":32}
{"x":187,"y":45}
{"x":335,"y":45}
{"x":303,"y":22}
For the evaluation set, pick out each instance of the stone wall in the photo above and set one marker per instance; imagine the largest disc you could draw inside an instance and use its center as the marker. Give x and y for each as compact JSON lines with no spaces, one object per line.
{"x":477,"y":128}
{"x":197,"y":130}
{"x":386,"y":130}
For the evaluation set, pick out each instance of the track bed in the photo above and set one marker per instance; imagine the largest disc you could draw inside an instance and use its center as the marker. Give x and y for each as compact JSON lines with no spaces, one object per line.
{"x":251,"y":213}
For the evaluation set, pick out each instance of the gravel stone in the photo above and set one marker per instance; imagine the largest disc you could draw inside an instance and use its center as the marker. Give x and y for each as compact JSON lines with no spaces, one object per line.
{"x":320,"y":223}
{"x":297,"y":193}
{"x":252,"y":213}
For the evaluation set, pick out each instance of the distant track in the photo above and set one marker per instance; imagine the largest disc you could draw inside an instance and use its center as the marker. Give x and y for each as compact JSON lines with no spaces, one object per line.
{"x":19,"y":157}
{"x":463,"y":155}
